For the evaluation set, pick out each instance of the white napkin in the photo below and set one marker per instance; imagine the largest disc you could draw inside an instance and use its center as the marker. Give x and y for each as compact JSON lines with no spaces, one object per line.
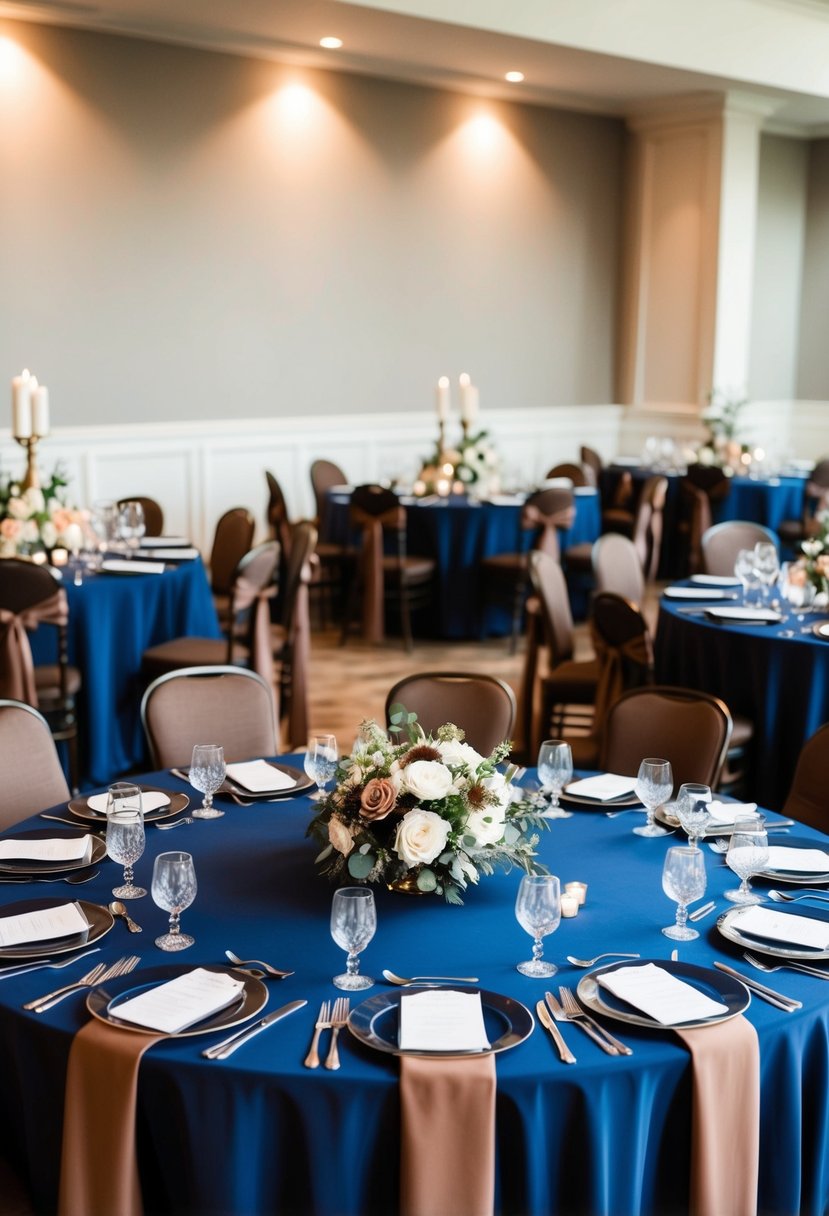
{"x":181,"y":1002}
{"x":603,"y":788}
{"x":694,"y":593}
{"x":183,"y":554}
{"x":800,"y":861}
{"x":151,"y":800}
{"x":441,"y":1020}
{"x":724,"y":813}
{"x":778,"y":926}
{"x":660,"y":995}
{"x":42,"y":925}
{"x":60,"y":848}
{"x":161,"y":542}
{"x":715,"y":580}
{"x":259,"y":777}
{"x":117,"y":566}
{"x":745,"y":614}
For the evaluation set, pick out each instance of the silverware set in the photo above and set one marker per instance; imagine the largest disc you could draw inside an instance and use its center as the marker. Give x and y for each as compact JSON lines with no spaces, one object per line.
{"x":569,"y":1010}
{"x":98,"y":975}
{"x":220,"y":1051}
{"x":331,"y":1018}
{"x":703,"y":911}
{"x":45,"y":964}
{"x":778,"y":999}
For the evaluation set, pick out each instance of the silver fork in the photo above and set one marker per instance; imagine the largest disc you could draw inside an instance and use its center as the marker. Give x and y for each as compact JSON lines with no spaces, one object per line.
{"x":560,"y":1016}
{"x":323,"y":1022}
{"x":98,"y":975}
{"x":339,"y":1017}
{"x":45,"y":965}
{"x":763,"y":966}
{"x":575,"y":1013}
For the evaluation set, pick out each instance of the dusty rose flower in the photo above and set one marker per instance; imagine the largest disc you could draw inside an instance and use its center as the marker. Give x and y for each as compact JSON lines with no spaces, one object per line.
{"x":377,"y":799}
{"x":339,"y":834}
{"x":11,"y":528}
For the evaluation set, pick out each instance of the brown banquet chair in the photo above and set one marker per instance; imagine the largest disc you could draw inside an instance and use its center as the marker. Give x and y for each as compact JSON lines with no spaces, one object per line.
{"x":481,"y":705}
{"x":815,"y":499}
{"x":807,"y":801}
{"x":231,"y":541}
{"x":153,"y":514}
{"x":721,"y":543}
{"x":572,"y":472}
{"x":617,"y":567}
{"x":37,"y":783}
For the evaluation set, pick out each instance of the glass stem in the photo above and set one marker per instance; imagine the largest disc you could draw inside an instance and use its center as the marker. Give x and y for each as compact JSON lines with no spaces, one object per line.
{"x":207,"y":802}
{"x":175,"y":917}
{"x":538,"y":949}
{"x":128,"y":875}
{"x":681,"y":915}
{"x":745,"y":889}
{"x":352,"y":963}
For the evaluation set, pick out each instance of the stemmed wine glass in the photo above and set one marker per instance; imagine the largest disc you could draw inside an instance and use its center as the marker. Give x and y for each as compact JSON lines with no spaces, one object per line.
{"x":683,"y":879}
{"x":555,"y":768}
{"x":692,"y":810}
{"x":207,"y":772}
{"x":353,"y":925}
{"x":174,"y":889}
{"x":748,"y":853}
{"x":321,"y":762}
{"x":766,"y":565}
{"x":131,"y":525}
{"x":653,"y":787}
{"x":746,"y":571}
{"x":538,"y":912}
{"x":125,"y":834}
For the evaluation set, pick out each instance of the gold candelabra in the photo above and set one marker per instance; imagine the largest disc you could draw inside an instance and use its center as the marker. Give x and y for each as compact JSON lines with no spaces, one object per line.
{"x":31,"y":479}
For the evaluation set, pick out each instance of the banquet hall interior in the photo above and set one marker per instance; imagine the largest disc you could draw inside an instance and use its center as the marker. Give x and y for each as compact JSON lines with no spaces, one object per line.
{"x":348,"y":343}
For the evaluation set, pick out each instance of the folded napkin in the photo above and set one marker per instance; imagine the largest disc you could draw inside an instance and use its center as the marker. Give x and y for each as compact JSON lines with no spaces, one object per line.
{"x":99,"y":1171}
{"x":151,"y":800}
{"x":715,"y":580}
{"x":730,"y":812}
{"x":603,"y":788}
{"x":798,"y":861}
{"x":160,"y":542}
{"x":42,"y":925}
{"x":181,"y":1002}
{"x":116,"y":566}
{"x":694,"y":593}
{"x":442,"y":1020}
{"x":760,"y":615}
{"x":660,"y":995}
{"x":59,"y":848}
{"x":259,"y":777}
{"x":777,"y":926}
{"x":186,"y":553}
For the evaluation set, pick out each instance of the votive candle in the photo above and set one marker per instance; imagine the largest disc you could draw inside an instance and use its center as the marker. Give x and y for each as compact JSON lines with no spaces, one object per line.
{"x":569,"y":905}
{"x":578,"y":890}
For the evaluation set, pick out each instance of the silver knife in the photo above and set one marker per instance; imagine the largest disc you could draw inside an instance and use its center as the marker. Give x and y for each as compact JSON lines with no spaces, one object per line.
{"x":705,"y":910}
{"x":787,"y":1003}
{"x":557,"y":1037}
{"x":226,"y":1048}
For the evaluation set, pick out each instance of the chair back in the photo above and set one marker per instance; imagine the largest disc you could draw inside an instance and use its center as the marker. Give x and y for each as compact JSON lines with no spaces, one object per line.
{"x":324,"y":476}
{"x":251,"y":592}
{"x":227,"y":705}
{"x":551,"y":587}
{"x":574,"y":472}
{"x":30,"y":770}
{"x":591,"y":463}
{"x":647,"y":524}
{"x":690,"y":729}
{"x":277,"y":514}
{"x":617,"y":567}
{"x":701,"y":486}
{"x":153,"y":514}
{"x":29,"y":596}
{"x":722,"y":542}
{"x":807,"y":802}
{"x":623,"y":647}
{"x":815,"y":496}
{"x":296,"y":625}
{"x":546,"y":512}
{"x":481,"y":705}
{"x":231,"y":541}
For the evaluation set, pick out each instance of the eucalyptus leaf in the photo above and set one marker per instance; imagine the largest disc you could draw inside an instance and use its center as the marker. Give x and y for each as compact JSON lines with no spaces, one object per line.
{"x":360,"y":865}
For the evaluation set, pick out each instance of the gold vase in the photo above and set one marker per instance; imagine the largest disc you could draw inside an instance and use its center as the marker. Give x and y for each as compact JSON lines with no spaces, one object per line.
{"x":407,"y":885}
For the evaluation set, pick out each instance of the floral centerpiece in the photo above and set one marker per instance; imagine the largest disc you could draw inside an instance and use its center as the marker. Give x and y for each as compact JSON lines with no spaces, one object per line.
{"x":37,"y":519}
{"x":722,"y":419}
{"x":809,"y":575}
{"x":472,"y":467}
{"x":427,"y":815}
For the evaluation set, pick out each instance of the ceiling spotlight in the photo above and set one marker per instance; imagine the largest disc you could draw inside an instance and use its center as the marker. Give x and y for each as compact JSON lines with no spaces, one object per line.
{"x":514,"y":77}
{"x":331,"y":44}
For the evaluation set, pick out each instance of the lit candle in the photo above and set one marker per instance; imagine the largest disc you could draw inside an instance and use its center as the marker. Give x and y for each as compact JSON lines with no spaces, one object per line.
{"x":578,"y":890}
{"x":59,"y":557}
{"x":40,"y":410}
{"x":22,"y":405}
{"x":472,"y":405}
{"x":569,"y":905}
{"x":465,"y":385}
{"x":443,"y":398}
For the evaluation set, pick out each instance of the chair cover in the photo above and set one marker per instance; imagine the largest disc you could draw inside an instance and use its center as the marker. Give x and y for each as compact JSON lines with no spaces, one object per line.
{"x":17,"y":671}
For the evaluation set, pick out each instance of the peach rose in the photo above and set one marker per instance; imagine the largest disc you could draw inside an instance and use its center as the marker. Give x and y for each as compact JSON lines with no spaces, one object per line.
{"x":378,"y":799}
{"x":11,"y":528}
{"x":339,"y":833}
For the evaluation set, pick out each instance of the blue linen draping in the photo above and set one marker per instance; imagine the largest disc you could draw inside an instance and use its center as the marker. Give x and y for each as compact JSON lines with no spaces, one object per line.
{"x":113,"y":619}
{"x":780,"y":683}
{"x":458,"y":533}
{"x":259,"y":1133}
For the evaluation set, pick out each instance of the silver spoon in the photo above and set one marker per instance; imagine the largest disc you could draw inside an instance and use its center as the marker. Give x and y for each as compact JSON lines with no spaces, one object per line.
{"x":74,"y":880}
{"x":588,"y":962}
{"x":118,"y":909}
{"x":165,"y":827}
{"x":403,"y":982}
{"x":782,"y":897}
{"x":257,"y":962}
{"x":626,"y":811}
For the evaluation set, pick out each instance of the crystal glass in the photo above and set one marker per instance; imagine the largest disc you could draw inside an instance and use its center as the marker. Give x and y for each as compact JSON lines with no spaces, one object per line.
{"x":683,"y":879}
{"x":538,"y":912}
{"x":104,"y":523}
{"x":125,"y":834}
{"x":654,"y":786}
{"x":692,"y":810}
{"x":174,"y":889}
{"x":207,"y":772}
{"x":766,"y":564}
{"x":555,"y":768}
{"x":353,"y":925}
{"x":131,"y":525}
{"x":745,"y":571}
{"x":748,"y":853}
{"x":321,"y":762}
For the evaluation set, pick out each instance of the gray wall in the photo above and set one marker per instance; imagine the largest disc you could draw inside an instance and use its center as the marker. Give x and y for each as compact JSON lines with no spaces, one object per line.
{"x":194,"y":235}
{"x":813,"y":367}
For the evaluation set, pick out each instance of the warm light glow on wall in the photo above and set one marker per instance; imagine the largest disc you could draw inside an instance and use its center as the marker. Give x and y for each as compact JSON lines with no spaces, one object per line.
{"x":483,"y":135}
{"x":12,"y":61}
{"x":296,"y":103}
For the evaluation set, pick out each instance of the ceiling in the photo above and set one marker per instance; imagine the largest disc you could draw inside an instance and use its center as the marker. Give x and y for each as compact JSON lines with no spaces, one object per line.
{"x":463,"y":56}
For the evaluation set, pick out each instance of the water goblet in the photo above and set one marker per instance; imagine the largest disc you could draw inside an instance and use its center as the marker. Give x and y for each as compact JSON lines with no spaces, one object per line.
{"x":353,"y":925}
{"x":748,"y":853}
{"x":766,"y":565}
{"x":207,"y":772}
{"x":174,"y":889}
{"x":538,"y":912}
{"x":683,"y":879}
{"x":131,"y":525}
{"x":653,"y":787}
{"x":125,"y":834}
{"x":320,"y":762}
{"x":555,"y":768}
{"x":745,"y":571}
{"x":692,"y":810}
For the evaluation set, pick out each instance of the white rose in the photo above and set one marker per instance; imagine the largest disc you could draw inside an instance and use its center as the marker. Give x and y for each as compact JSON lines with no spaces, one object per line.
{"x":421,"y":836}
{"x":72,"y":537}
{"x":427,"y":779}
{"x":29,"y":532}
{"x":48,"y":534}
{"x":18,"y":508}
{"x":500,"y":788}
{"x":486,"y":825}
{"x":455,"y":752}
{"x":34,"y":498}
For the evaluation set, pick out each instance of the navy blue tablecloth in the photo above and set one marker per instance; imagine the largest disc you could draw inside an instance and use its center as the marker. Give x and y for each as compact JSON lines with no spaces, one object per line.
{"x":458,"y":533}
{"x":113,"y":619}
{"x":259,"y":1133}
{"x":781,"y":683}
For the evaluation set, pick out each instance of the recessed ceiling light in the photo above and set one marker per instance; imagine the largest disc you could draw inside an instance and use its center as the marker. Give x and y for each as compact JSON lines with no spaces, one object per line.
{"x":514,"y":77}
{"x":331,"y":44}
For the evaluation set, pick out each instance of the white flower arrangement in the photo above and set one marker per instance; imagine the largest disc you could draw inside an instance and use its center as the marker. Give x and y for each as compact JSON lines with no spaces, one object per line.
{"x":35,"y":519}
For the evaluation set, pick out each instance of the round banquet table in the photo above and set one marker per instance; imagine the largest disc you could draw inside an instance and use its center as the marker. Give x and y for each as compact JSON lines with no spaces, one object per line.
{"x":458,"y":533}
{"x":113,"y":619}
{"x":781,"y":683}
{"x":259,"y":1133}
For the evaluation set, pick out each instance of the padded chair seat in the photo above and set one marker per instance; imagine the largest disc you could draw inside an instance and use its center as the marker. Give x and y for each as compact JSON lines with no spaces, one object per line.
{"x":573,"y":680}
{"x":186,"y":652}
{"x":411,"y":569}
{"x":616,"y":519}
{"x":47,"y":682}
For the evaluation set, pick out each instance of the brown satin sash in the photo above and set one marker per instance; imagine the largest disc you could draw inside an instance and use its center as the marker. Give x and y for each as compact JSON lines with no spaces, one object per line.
{"x":447,"y":1152}
{"x":17,"y":669}
{"x":550,"y":525}
{"x":701,"y":520}
{"x":611,"y":683}
{"x":245,"y":594}
{"x":371,"y":566}
{"x":725,"y":1118}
